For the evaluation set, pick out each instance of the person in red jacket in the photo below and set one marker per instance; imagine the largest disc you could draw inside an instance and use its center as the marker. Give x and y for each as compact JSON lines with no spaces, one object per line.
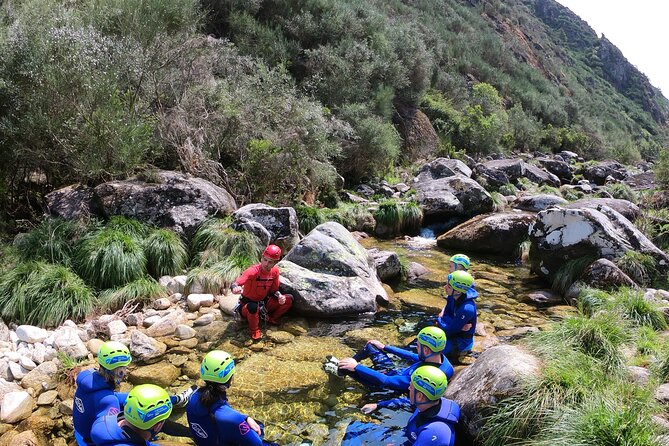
{"x":259,"y":287}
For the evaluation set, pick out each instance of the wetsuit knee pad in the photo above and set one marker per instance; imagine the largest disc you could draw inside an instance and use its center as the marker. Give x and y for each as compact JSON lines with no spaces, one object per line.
{"x":252,"y":307}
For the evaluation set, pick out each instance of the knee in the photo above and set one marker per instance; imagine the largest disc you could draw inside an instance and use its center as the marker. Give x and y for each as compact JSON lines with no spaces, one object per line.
{"x":252,"y":307}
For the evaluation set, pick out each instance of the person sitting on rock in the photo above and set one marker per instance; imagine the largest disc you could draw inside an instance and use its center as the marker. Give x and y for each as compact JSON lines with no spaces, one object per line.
{"x":458,"y":317}
{"x":211,"y":419}
{"x":95,"y":395}
{"x":385,"y":374}
{"x":145,"y":411}
{"x":434,"y":417}
{"x":259,"y":287}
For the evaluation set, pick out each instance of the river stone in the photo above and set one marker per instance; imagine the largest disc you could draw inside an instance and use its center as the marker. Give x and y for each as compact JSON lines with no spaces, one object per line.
{"x":165,"y":326}
{"x":491,"y":178}
{"x":145,"y":348}
{"x":4,"y":331}
{"x":512,"y":168}
{"x":213,"y":331}
{"x":561,"y":235}
{"x":31,"y":334}
{"x":543,"y":297}
{"x":662,"y":393}
{"x":195,"y":301}
{"x":281,"y":223}
{"x":27,"y":363}
{"x":387,"y":264}
{"x":162,"y":303}
{"x":177,"y":201}
{"x":605,"y":274}
{"x":599,"y":172}
{"x":67,"y":340}
{"x":16,"y":406}
{"x":330,"y":274}
{"x":47,"y":398}
{"x":536,"y":203}
{"x":177,"y":285}
{"x":499,"y":233}
{"x":162,"y":374}
{"x":116,"y":327}
{"x":41,"y":378}
{"x":16,"y":371}
{"x":227,"y":303}
{"x":639,"y":375}
{"x":25,"y":438}
{"x":455,"y":196}
{"x":442,"y":168}
{"x":40,"y":424}
{"x":280,"y":336}
{"x":184,"y":332}
{"x":205,"y":319}
{"x":498,"y":372}
{"x":150,"y":320}
{"x":558,"y":168}
{"x":628,"y":209}
{"x":415,"y":271}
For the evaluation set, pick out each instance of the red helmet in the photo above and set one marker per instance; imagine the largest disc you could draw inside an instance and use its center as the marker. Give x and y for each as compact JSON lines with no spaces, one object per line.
{"x":272,"y":252}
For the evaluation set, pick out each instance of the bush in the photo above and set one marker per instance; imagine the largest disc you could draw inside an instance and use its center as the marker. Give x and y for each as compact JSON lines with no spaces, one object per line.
{"x":640,"y":267}
{"x":45,"y":295}
{"x":308,"y":218}
{"x":389,"y":215}
{"x":165,"y":252}
{"x":141,"y":291}
{"x":218,"y":276}
{"x":215,"y":241}
{"x":110,"y":258}
{"x":661,"y":168}
{"x":634,"y":307}
{"x":52,"y":241}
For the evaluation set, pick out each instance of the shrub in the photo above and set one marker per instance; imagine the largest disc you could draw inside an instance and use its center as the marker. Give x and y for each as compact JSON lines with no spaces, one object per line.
{"x":389,"y":215}
{"x":623,"y":192}
{"x":110,"y":258}
{"x":634,"y":307}
{"x":412,"y":218}
{"x":308,"y":217}
{"x":640,"y":267}
{"x":352,"y":216}
{"x":52,"y":241}
{"x":140,"y":291}
{"x":215,"y":241}
{"x":42,"y":294}
{"x":661,"y":168}
{"x":165,"y":252}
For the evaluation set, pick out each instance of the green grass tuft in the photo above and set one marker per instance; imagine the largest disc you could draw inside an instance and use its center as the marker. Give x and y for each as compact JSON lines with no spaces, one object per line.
{"x":110,"y":258}
{"x":131,"y":227}
{"x":507,"y":189}
{"x":165,"y":253}
{"x":570,"y":272}
{"x":389,"y":215}
{"x":51,"y":241}
{"x":634,"y":307}
{"x":591,"y":300}
{"x":218,"y":276}
{"x":43,"y":294}
{"x":214,"y":241}
{"x":309,"y":217}
{"x":412,"y":218}
{"x":623,"y":192}
{"x":142,"y":291}
{"x":640,"y":267}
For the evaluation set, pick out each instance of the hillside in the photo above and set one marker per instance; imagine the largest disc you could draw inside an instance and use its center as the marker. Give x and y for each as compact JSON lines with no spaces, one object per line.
{"x":273,"y":99}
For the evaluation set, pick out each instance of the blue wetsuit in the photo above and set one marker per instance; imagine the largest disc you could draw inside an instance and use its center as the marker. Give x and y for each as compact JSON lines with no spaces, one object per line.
{"x":93,"y":398}
{"x":395,"y":379}
{"x":107,"y":432}
{"x":219,"y":425}
{"x":457,"y":314}
{"x":433,"y":427}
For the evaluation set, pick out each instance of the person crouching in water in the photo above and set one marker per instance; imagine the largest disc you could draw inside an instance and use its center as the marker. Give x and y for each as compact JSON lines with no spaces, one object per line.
{"x":458,"y":317}
{"x":259,"y":287}
{"x":144,"y":414}
{"x":211,"y":419}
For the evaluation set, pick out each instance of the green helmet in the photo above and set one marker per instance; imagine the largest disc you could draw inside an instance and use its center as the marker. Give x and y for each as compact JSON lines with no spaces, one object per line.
{"x":430,"y":381}
{"x":217,"y":366}
{"x":462,"y":260}
{"x":433,"y":338}
{"x":113,"y":355}
{"x":460,"y":281}
{"x":146,"y":406}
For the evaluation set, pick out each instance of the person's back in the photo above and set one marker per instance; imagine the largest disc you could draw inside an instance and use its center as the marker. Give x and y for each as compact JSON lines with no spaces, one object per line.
{"x":435,"y":427}
{"x":107,"y":432}
{"x":93,"y":398}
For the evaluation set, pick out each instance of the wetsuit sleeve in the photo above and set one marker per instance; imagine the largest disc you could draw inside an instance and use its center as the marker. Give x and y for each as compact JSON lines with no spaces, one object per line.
{"x":246,"y":275}
{"x":108,"y":405}
{"x":395,"y":403}
{"x":233,"y":427}
{"x":121,"y":397}
{"x":372,"y":377}
{"x":465,"y":314}
{"x":402,"y":353}
{"x":435,"y":434}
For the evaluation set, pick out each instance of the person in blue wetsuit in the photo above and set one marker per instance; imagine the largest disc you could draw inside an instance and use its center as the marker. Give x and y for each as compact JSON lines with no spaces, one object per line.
{"x":430,"y":344}
{"x":95,"y":395}
{"x":432,"y":422}
{"x":144,"y":413}
{"x":458,"y":318}
{"x":211,"y":419}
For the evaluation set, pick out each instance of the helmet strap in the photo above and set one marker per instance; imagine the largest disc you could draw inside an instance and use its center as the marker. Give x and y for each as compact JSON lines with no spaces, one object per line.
{"x":422,"y":357}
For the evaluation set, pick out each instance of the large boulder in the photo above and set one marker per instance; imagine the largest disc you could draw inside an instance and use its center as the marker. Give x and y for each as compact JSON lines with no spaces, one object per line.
{"x":540,"y":176}
{"x":558,"y":168}
{"x":604,"y":274}
{"x":442,"y":168}
{"x":599,"y":172}
{"x":454,"y":196}
{"x":419,"y":137}
{"x":75,"y":202}
{"x":629,"y":210}
{"x":387,"y":264}
{"x":560,"y":235}
{"x":280,"y":223}
{"x":492,"y":178}
{"x":490,"y":233}
{"x":330,"y":274}
{"x":499,"y":372}
{"x":512,"y":168}
{"x":536,"y":203}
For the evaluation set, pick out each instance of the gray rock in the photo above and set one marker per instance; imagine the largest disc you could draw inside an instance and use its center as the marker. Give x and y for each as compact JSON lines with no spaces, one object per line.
{"x":598,"y":173}
{"x":47,"y":398}
{"x":497,"y":373}
{"x":16,"y":371}
{"x":540,"y":176}
{"x":150,"y":320}
{"x":281,"y":223}
{"x":205,"y":319}
{"x":27,"y":363}
{"x":543,"y":297}
{"x":67,"y":340}
{"x":490,"y":233}
{"x":254,"y":227}
{"x":184,"y":332}
{"x":512,"y":168}
{"x":387,"y":264}
{"x":454,"y":196}
{"x":116,"y":327}
{"x":540,"y":202}
{"x":442,"y":168}
{"x":492,"y":178}
{"x":31,"y":334}
{"x":415,"y":272}
{"x":604,"y":274}
{"x":662,"y":393}
{"x":165,"y":326}
{"x":178,"y":201}
{"x":162,"y":304}
{"x":558,"y":168}
{"x":144,"y":348}
{"x":639,"y":375}
{"x":195,"y":301}
{"x":16,"y":406}
{"x":4,"y":331}
{"x":628,"y":209}
{"x":75,"y":202}
{"x":177,"y":284}
{"x":330,"y":274}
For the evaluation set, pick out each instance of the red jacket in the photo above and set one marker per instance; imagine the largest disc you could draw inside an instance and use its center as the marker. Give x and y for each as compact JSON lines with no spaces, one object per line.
{"x":258,"y":285}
